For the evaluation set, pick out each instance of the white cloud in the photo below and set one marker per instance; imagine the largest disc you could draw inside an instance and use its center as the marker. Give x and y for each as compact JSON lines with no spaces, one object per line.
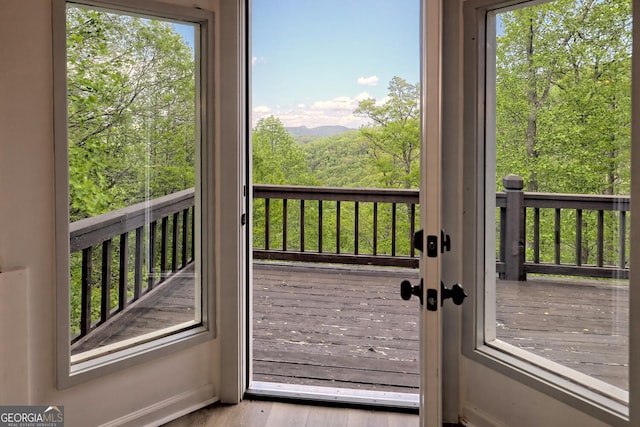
{"x":339,"y":103}
{"x":263,"y":109}
{"x":335,"y":111}
{"x":258,"y":60}
{"x":362,"y":96}
{"x":368,"y":81}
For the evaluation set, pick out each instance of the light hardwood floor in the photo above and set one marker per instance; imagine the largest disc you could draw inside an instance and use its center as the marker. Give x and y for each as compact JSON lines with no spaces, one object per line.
{"x":256,"y":413}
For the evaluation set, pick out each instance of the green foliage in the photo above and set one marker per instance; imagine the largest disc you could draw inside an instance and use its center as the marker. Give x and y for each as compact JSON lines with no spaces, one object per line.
{"x":563,"y":111}
{"x":563,"y":96}
{"x":277,"y":158}
{"x":131,"y":111}
{"x":131,"y":123}
{"x":394,"y":134}
{"x":341,"y":160}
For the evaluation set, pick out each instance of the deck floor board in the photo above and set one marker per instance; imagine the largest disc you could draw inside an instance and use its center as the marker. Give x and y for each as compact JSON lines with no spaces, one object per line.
{"x":344,"y":326}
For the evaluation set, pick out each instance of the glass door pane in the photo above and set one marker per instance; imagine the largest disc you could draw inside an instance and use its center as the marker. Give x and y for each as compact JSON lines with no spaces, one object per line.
{"x":557,"y":188}
{"x":133,"y":173}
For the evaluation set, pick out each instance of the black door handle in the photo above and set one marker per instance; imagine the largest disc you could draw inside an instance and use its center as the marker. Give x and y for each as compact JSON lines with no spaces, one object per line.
{"x":456,"y":293}
{"x":407,"y":290}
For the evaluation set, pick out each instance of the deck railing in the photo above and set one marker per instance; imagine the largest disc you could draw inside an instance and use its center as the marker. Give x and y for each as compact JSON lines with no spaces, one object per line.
{"x":92,"y":241}
{"x":341,"y":225}
{"x":349,"y":226}
{"x":583,"y":235}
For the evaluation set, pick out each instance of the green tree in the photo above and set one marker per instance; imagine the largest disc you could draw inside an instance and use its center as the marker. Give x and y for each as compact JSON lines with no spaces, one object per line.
{"x":341,"y":160}
{"x":131,"y":110}
{"x":277,"y":158}
{"x":394,"y":134}
{"x":563,"y":95}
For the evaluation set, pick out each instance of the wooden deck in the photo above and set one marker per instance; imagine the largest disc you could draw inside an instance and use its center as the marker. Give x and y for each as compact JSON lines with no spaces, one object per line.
{"x":338,"y":327}
{"x":582,"y":324}
{"x":348,"y":327}
{"x":171,"y":304}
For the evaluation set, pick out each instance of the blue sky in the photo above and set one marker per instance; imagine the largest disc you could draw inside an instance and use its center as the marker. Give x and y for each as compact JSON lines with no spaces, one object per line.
{"x":313,"y":60}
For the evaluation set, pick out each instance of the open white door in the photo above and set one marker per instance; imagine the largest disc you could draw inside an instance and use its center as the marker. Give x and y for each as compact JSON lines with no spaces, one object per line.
{"x":430,"y":201}
{"x":530,"y":356}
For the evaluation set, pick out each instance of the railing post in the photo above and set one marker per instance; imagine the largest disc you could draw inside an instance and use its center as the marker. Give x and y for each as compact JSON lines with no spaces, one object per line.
{"x":514,"y":228}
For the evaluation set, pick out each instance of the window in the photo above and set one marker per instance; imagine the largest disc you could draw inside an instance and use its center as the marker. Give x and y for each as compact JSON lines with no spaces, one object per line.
{"x":133,"y":169}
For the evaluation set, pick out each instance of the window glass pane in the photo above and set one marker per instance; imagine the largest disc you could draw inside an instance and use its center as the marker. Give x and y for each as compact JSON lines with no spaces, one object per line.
{"x":133,"y":154}
{"x":561,"y":184}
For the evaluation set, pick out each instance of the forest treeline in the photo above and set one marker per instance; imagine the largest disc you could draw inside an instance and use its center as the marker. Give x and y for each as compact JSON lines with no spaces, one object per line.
{"x":562,"y":115}
{"x":562,"y":98}
{"x":562,"y":111}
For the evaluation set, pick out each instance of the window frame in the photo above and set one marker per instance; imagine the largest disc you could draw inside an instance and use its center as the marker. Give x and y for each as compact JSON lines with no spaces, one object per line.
{"x":68,"y":374}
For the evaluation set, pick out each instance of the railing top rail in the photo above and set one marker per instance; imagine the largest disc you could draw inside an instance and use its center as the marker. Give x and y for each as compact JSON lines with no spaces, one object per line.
{"x":91,"y":231}
{"x":336,"y":193}
{"x":571,"y":201}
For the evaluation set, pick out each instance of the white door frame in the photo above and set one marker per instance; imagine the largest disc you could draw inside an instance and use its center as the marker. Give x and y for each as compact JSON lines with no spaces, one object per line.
{"x":430,"y":197}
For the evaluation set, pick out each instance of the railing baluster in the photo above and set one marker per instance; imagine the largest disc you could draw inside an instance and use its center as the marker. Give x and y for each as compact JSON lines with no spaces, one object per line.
{"x":600,"y":258}
{"x":123,"y":277}
{"x":185,"y":241}
{"x":356,"y":226}
{"x":174,"y":243}
{"x":105,"y":302}
{"x":375,"y":228}
{"x":578,"y":237}
{"x":284,"y":224}
{"x":164,"y":247}
{"x":412,"y":230}
{"x":557,"y":236}
{"x":267,"y":222}
{"x":338,"y":227}
{"x":393,"y":229}
{"x":137,"y":275}
{"x":319,"y":226}
{"x":502,"y":254}
{"x":622,"y":240}
{"x":152,"y":255}
{"x":302,"y":225}
{"x":536,"y":235}
{"x":85,"y":298}
{"x":193,"y":233}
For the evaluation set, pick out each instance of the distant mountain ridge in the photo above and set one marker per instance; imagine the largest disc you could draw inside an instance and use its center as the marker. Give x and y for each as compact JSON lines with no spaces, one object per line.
{"x":320,"y":131}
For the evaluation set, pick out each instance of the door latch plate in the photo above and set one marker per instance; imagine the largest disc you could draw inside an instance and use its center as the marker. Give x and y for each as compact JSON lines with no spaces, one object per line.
{"x":432,"y":246}
{"x":432,"y":299}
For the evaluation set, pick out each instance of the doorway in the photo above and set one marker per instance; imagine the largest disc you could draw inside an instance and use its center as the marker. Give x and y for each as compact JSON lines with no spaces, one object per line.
{"x":335,"y":147}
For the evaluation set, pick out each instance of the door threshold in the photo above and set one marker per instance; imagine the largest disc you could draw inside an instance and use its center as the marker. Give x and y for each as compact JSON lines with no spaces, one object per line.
{"x":369,"y":399}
